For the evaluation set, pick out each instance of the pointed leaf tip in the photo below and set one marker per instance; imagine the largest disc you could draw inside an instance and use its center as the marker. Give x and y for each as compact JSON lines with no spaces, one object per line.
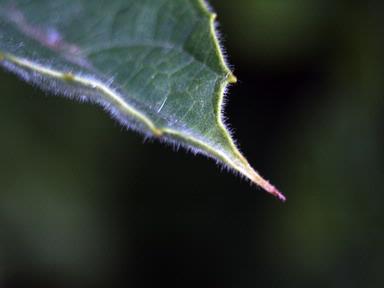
{"x":260,"y":181}
{"x":246,"y":169}
{"x":278,"y":194}
{"x":273,"y":190}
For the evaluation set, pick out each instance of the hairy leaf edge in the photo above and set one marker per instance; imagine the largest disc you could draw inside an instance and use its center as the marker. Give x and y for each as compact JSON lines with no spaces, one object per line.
{"x":250,"y":172}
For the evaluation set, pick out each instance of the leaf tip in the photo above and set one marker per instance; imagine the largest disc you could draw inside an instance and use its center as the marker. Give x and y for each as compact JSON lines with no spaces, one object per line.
{"x":242,"y":165}
{"x":275,"y":192}
{"x":268,"y":187}
{"x":260,"y":181}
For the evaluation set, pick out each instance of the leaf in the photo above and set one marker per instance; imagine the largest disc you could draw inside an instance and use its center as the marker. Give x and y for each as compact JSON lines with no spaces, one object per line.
{"x":155,"y":65}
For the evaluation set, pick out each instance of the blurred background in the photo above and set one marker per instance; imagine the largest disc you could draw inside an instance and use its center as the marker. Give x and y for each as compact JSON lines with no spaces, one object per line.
{"x":84,"y":203}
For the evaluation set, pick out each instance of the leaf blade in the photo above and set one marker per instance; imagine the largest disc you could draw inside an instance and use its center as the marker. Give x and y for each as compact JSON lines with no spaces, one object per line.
{"x":161,"y":82}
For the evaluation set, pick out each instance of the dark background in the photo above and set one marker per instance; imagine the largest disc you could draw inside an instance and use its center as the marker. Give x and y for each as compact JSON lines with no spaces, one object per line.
{"x":84,"y":203}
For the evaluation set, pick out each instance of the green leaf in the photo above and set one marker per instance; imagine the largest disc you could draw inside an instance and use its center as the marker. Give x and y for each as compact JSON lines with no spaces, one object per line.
{"x":155,"y":65}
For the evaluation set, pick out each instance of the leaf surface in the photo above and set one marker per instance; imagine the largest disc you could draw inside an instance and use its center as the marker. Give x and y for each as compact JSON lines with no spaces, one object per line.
{"x":155,"y":65}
